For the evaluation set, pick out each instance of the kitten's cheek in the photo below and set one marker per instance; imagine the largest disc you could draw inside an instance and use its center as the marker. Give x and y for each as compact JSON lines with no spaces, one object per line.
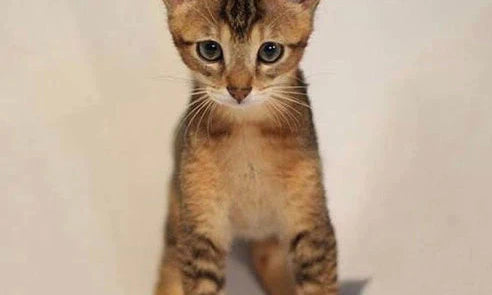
{"x":202,"y":78}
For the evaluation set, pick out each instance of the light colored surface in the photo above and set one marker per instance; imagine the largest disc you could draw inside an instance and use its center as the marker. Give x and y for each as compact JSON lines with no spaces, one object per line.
{"x":403,"y":104}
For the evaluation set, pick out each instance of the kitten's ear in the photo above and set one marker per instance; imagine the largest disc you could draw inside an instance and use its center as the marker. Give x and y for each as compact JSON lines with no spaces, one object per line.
{"x":172,"y":4}
{"x":310,"y":4}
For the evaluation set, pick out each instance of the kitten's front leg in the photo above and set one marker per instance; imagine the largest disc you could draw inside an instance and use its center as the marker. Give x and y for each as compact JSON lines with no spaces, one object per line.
{"x":202,"y":261}
{"x":204,"y":235}
{"x":313,"y":250}
{"x":314,"y":259}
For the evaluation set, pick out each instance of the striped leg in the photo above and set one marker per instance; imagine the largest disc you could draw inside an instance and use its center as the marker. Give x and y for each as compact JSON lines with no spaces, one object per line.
{"x":204,"y":229}
{"x":202,"y":265}
{"x":314,"y":258}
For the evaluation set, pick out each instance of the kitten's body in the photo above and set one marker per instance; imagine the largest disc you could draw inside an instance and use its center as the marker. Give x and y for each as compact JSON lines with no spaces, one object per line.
{"x":246,"y":170}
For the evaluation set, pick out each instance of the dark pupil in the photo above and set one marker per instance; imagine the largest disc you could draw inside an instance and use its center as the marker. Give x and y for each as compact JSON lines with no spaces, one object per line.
{"x":270,"y":50}
{"x":211,"y":49}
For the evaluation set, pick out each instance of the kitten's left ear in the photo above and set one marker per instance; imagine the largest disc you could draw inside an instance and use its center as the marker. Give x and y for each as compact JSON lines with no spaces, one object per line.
{"x":310,"y":4}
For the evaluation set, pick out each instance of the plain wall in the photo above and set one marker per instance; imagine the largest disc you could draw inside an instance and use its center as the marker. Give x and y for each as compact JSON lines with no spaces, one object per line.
{"x":90,"y":92}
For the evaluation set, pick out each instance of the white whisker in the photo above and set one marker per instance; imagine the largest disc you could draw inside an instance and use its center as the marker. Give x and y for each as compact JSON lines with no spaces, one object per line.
{"x":286,"y":86}
{"x":199,"y":92}
{"x":173,"y":78}
{"x":287,"y":105}
{"x":207,"y":108}
{"x":199,"y":108}
{"x":291,"y":92}
{"x":271,"y":114}
{"x":288,"y":111}
{"x":200,"y":99}
{"x":192,"y":107}
{"x":275,"y":105}
{"x":287,"y":98}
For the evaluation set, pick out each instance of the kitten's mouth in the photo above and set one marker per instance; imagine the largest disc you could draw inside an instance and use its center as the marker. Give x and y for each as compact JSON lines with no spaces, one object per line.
{"x":225,"y":99}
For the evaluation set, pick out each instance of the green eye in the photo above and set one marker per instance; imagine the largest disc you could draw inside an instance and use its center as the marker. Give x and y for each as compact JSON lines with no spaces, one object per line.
{"x":270,"y":52}
{"x":209,"y":50}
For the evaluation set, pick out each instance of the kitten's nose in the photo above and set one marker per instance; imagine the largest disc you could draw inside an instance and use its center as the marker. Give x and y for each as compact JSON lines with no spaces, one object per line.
{"x":239,"y":94}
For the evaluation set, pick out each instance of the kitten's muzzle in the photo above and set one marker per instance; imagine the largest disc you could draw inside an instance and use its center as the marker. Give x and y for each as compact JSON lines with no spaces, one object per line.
{"x":239,"y":94}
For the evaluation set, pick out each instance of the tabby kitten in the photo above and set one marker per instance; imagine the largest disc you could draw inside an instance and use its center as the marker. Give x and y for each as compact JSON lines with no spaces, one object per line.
{"x":247,"y":163}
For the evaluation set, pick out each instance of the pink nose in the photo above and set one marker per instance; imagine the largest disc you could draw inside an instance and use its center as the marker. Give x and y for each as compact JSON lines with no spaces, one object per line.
{"x":239,"y":94}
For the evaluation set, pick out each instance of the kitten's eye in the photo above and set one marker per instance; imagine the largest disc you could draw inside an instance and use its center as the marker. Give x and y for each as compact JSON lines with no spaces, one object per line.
{"x":209,"y":50}
{"x":270,"y":52}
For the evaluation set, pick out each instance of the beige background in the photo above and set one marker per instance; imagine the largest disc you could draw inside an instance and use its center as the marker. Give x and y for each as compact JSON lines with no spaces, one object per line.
{"x":402,"y":95}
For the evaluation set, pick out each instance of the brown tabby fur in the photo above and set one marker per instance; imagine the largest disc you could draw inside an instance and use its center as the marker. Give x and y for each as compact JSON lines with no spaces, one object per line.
{"x":249,"y":172}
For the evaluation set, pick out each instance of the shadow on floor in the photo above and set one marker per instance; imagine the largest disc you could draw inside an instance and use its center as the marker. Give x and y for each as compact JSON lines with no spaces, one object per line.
{"x":353,"y":287}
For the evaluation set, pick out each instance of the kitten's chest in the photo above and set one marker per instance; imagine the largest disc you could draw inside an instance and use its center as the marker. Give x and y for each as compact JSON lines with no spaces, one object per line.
{"x":246,"y":164}
{"x":251,"y":183}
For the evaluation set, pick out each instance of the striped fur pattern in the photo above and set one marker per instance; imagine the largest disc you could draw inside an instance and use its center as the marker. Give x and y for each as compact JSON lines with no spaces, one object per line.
{"x":240,"y":15}
{"x":250,"y":170}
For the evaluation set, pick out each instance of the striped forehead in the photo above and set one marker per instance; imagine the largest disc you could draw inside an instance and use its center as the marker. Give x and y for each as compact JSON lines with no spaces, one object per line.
{"x":240,"y":15}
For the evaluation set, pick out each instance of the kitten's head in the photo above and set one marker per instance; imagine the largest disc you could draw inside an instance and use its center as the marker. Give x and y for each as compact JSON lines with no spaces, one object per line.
{"x":241,"y":51}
